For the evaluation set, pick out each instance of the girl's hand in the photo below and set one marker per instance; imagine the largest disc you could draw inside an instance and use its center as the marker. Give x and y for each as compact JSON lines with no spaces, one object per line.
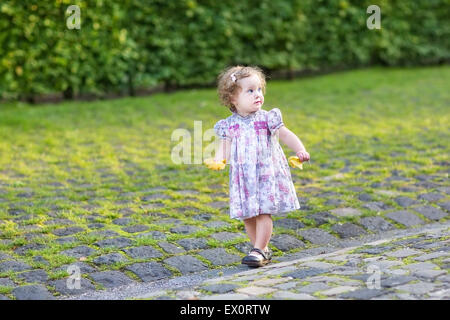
{"x":303,"y":155}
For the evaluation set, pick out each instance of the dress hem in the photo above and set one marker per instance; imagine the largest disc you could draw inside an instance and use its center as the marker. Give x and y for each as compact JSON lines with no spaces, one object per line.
{"x":271,"y":213}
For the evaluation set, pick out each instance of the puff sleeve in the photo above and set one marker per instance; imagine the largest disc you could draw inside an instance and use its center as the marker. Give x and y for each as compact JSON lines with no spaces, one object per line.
{"x":221,"y":129}
{"x":274,"y":120}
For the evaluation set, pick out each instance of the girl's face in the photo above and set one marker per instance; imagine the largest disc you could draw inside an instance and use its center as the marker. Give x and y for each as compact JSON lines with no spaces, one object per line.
{"x":250,"y":98}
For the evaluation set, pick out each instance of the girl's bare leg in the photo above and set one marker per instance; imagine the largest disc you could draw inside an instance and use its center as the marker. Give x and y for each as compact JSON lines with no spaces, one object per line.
{"x":264,"y":226}
{"x":250,"y":228}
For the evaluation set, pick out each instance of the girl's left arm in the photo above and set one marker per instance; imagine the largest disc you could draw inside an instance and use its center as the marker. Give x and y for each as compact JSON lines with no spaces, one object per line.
{"x":293,"y":142}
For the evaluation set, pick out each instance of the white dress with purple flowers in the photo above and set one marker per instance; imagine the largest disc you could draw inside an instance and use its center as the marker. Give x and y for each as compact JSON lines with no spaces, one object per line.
{"x":260,"y":178}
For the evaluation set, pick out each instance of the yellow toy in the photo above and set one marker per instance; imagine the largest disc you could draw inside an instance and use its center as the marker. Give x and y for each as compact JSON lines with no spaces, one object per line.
{"x":295,"y":162}
{"x":215,"y":165}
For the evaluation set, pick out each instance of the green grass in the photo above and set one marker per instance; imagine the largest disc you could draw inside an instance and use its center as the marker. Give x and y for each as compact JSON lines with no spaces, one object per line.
{"x":88,"y":160}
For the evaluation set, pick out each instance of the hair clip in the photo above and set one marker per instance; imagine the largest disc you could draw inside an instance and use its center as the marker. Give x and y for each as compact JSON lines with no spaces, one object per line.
{"x":233,"y":78}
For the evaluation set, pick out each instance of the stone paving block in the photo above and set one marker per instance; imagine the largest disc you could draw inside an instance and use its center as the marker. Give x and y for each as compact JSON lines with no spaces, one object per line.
{"x":375,"y":250}
{"x":84,"y":267}
{"x":313,"y":287}
{"x":32,"y":246}
{"x":111,"y":279}
{"x":186,"y":264}
{"x":305,"y":273}
{"x":219,"y":256}
{"x":385,"y":264}
{"x":67,"y":231}
{"x":226,"y":236}
{"x":226,"y":296}
{"x":135,"y":229}
{"x":288,"y":223}
{"x":78,"y":252}
{"x":338,"y":258}
{"x":68,"y":287}
{"x":14,"y":266}
{"x":149,"y":271}
{"x":334,"y":202}
{"x":346,"y":212}
{"x":327,"y":279}
{"x":362,"y":294}
{"x":348,"y":230}
{"x":403,"y":253}
{"x":420,"y":266}
{"x":417,"y":288}
{"x":218,"y":204}
{"x":119,"y":242}
{"x":255,"y":291}
{"x":269,"y":282}
{"x":185,"y":229}
{"x":157,"y":235}
{"x":349,"y":283}
{"x":433,"y":255}
{"x":187,"y":295}
{"x":377,"y":206}
{"x":285,"y":242}
{"x":322,"y":218}
{"x":32,"y":292}
{"x":445,"y":278}
{"x":4,"y":256}
{"x":426,"y":245}
{"x":287,"y":295}
{"x":170,"y":248}
{"x":6,"y":282}
{"x":396,"y":272}
{"x":193,"y":243}
{"x":216,"y":224}
{"x":220,"y":288}
{"x":406,"y":201}
{"x":285,"y":286}
{"x":429,"y":274}
{"x":338,"y":290}
{"x":396,"y":281}
{"x":317,"y":236}
{"x":109,"y":259}
{"x":34,"y":276}
{"x":203,"y":217}
{"x":376,"y":224}
{"x":278,"y":271}
{"x":430,"y":212}
{"x":387,"y":193}
{"x":444,"y":205}
{"x":406,"y":218}
{"x":431,"y":196}
{"x":440,"y":294}
{"x":143,"y":252}
{"x":317,"y":264}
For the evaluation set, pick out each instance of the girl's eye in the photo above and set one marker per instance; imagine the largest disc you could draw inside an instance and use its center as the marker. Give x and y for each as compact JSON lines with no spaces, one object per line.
{"x":250,"y":90}
{"x":259,"y":89}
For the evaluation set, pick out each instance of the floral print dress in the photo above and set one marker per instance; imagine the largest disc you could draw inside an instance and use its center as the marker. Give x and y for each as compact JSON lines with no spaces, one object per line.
{"x":260,"y":178}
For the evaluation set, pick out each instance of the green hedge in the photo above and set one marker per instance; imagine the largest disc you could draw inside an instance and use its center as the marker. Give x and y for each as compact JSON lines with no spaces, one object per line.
{"x":128,"y":44}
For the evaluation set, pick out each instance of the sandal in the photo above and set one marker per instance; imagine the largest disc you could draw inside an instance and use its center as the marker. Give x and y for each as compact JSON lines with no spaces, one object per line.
{"x":262,"y":259}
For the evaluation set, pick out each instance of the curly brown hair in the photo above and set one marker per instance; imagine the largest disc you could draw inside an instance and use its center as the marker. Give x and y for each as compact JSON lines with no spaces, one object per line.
{"x":228,"y":86}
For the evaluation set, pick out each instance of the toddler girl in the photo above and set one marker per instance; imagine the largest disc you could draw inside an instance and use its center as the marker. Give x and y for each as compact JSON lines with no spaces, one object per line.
{"x":260,"y":179}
